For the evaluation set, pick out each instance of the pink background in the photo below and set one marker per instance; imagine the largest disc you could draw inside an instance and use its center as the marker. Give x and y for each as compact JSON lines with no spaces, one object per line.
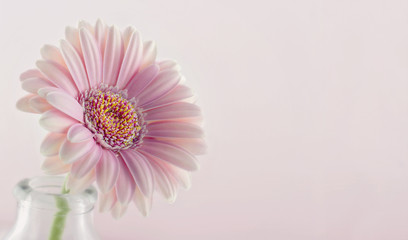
{"x":306,"y":106}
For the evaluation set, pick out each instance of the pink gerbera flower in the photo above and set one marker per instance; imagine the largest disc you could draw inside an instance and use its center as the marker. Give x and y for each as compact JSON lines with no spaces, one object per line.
{"x":116,"y":116}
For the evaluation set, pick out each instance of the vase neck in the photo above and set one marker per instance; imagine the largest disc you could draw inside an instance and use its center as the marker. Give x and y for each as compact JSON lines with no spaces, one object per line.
{"x":41,"y":207}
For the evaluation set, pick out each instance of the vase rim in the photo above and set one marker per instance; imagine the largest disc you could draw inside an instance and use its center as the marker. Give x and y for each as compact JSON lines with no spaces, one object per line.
{"x":43,"y":191}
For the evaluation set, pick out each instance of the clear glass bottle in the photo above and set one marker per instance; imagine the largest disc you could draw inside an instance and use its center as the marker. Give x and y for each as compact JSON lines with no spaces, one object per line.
{"x":41,"y":207}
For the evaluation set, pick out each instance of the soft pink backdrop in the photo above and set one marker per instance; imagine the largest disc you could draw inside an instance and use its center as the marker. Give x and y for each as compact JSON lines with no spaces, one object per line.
{"x":306,"y":106}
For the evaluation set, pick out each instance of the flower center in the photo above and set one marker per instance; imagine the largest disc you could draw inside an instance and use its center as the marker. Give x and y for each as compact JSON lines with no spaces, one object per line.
{"x":112,"y":118}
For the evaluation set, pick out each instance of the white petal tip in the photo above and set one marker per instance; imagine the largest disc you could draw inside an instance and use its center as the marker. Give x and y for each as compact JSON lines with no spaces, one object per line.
{"x":145,"y":214}
{"x":171,"y":199}
{"x":187,"y":187}
{"x":23,"y":106}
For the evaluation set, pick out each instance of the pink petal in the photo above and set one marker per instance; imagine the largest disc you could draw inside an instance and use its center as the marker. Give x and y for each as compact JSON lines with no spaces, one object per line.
{"x":32,"y":73}
{"x":54,"y":166}
{"x":163,"y":180}
{"x":195,"y":146}
{"x":52,"y":144}
{"x":58,"y":75}
{"x":113,"y":56}
{"x":149,"y":54}
{"x":52,"y":53}
{"x":56,"y":121}
{"x":66,"y":104}
{"x":78,"y":185}
{"x":34,"y":84}
{"x":181,"y":176}
{"x":42,"y":92}
{"x":125,"y":185}
{"x":131,"y":60}
{"x":92,"y":57}
{"x":75,"y":65}
{"x":127,"y":34}
{"x":86,"y":163}
{"x":180,"y":111}
{"x":142,"y":203}
{"x":141,"y":80}
{"x":100,"y":36}
{"x":172,"y":129}
{"x":71,"y":152}
{"x":180,"y":93}
{"x":170,"y":153}
{"x":23,"y":104}
{"x":107,"y":200}
{"x":163,"y":83}
{"x":72,"y":36}
{"x":79,"y":133}
{"x":118,"y":210}
{"x":107,"y":171}
{"x":140,"y":168}
{"x":86,"y":25}
{"x":169,"y":64}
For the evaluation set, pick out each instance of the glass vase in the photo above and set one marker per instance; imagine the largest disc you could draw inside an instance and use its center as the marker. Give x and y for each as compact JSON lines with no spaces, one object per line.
{"x":44,"y":213}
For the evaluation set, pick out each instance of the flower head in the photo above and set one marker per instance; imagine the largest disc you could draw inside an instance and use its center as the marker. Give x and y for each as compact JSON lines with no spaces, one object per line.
{"x":115,"y":115}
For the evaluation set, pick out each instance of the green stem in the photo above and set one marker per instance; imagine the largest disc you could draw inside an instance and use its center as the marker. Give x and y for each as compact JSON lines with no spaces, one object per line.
{"x":58,"y":225}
